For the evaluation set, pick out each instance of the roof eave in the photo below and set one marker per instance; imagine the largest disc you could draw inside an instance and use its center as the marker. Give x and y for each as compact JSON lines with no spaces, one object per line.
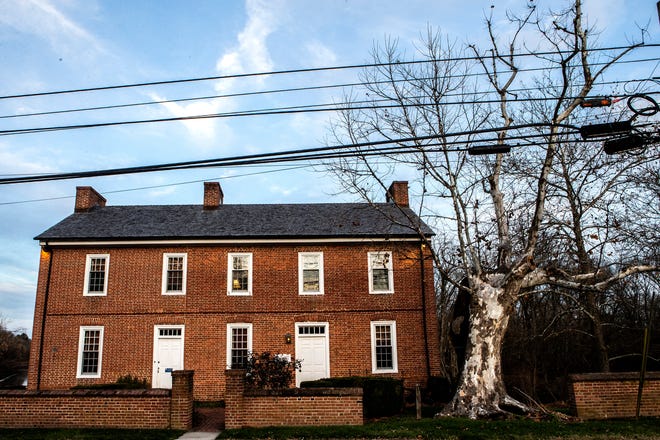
{"x":153,"y":241}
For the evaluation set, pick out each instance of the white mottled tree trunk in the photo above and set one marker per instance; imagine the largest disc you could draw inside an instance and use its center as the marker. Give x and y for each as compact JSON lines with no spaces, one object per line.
{"x":481,"y":392}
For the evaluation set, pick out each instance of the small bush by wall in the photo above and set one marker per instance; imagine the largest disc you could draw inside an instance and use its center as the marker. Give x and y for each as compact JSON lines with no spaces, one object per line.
{"x":383,"y":396}
{"x":270,"y":371}
{"x":127,"y":382}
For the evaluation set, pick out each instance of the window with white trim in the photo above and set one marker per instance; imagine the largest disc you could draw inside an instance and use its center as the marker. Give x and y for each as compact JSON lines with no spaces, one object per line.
{"x":310,"y":273}
{"x":174,"y":274}
{"x":383,"y":347}
{"x":239,"y":344}
{"x":381,"y":279}
{"x":96,"y":275}
{"x":90,"y":351}
{"x":239,"y":274}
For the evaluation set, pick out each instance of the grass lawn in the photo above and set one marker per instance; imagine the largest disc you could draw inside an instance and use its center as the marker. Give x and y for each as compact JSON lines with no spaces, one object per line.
{"x":409,"y":428}
{"x":403,"y":427}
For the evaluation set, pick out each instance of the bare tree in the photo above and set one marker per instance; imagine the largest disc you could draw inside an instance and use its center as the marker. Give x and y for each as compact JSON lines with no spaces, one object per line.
{"x":492,"y":213}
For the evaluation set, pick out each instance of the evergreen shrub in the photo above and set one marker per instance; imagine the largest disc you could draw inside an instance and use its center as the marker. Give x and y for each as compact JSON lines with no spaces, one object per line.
{"x":383,"y":396}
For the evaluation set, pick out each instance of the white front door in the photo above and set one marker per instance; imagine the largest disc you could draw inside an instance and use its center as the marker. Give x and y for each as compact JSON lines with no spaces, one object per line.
{"x":168,"y":354}
{"x":312,"y":351}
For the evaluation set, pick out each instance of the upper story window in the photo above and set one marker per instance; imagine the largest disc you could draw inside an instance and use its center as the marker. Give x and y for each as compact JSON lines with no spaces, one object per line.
{"x":96,"y":274}
{"x":90,"y":350}
{"x":381,"y":278}
{"x":239,"y":276}
{"x":383,"y":347}
{"x":174,"y":274}
{"x":310,"y":273}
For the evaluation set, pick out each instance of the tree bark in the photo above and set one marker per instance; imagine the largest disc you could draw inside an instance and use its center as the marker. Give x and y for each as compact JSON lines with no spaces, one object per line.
{"x":482,"y":392}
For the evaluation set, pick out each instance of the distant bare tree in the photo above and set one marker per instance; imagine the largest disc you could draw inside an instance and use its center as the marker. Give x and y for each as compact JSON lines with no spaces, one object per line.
{"x":14,"y":350}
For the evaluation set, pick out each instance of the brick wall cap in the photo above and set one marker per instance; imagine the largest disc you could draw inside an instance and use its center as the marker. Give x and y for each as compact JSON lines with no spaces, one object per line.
{"x":601,"y":377}
{"x":305,"y":392}
{"x":86,"y":393}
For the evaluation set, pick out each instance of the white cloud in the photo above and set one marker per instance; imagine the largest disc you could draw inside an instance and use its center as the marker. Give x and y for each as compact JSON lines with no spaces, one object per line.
{"x":202,"y":130}
{"x":251,"y":53}
{"x":43,"y":19}
{"x":307,"y":127}
{"x":22,"y":162}
{"x":320,"y":55}
{"x":282,"y":191}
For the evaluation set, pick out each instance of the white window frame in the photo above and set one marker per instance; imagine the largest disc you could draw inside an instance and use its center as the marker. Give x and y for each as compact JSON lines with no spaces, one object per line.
{"x":81,"y":344}
{"x":237,"y":325}
{"x":395,"y":364}
{"x":88,"y":268}
{"x":230,"y":265}
{"x":390,"y":273}
{"x":301,"y":287}
{"x":166,"y":257}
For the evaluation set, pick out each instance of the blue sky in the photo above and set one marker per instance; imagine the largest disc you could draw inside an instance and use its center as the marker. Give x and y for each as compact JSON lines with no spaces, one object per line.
{"x":66,"y":44}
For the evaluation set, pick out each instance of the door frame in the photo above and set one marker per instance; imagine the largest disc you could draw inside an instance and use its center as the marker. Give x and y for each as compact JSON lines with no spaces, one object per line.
{"x":326,"y":335}
{"x":157,"y":336}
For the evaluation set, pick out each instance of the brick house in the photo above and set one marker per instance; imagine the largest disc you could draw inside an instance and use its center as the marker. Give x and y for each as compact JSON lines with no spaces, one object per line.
{"x":144,"y":290}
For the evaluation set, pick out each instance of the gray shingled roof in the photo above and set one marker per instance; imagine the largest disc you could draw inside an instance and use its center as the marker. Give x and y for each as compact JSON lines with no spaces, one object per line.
{"x":236,"y":222}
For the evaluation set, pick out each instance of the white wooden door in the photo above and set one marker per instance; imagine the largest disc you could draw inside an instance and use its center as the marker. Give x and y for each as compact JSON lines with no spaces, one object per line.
{"x":312,"y":350}
{"x":168,"y":355}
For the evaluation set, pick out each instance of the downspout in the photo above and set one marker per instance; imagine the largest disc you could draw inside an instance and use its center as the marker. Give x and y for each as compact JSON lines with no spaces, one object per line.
{"x":426,"y":337}
{"x":43,"y":314}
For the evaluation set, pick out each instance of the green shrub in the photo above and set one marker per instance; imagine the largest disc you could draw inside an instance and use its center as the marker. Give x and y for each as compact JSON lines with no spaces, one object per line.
{"x":268,"y":371}
{"x":383,"y":396}
{"x":127,"y":382}
{"x":132,"y":383}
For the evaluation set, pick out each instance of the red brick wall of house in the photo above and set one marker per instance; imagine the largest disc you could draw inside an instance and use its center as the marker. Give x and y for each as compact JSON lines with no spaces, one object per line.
{"x":135,"y":409}
{"x":134,"y":304}
{"x":613,"y":395}
{"x":301,"y":407}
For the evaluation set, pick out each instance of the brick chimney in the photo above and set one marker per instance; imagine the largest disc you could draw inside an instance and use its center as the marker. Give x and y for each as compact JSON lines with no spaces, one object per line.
{"x":398,"y":193}
{"x":87,"y":198}
{"x":213,"y":196}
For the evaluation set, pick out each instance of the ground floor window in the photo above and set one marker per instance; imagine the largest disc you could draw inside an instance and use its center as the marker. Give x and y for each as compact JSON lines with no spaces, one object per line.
{"x":90,"y":350}
{"x":383,"y":347}
{"x":239,"y":344}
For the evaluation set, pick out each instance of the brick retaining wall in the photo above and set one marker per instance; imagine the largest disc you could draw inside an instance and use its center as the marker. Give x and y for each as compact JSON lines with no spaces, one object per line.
{"x":289,"y":407}
{"x":136,"y":409}
{"x":613,"y":395}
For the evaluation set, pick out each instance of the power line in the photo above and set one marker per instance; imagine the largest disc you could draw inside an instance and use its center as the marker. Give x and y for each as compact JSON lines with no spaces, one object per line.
{"x":314,"y":108}
{"x":293,"y":155}
{"x":305,"y":70}
{"x":285,"y":90}
{"x":165,"y":185}
{"x":263,"y":112}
